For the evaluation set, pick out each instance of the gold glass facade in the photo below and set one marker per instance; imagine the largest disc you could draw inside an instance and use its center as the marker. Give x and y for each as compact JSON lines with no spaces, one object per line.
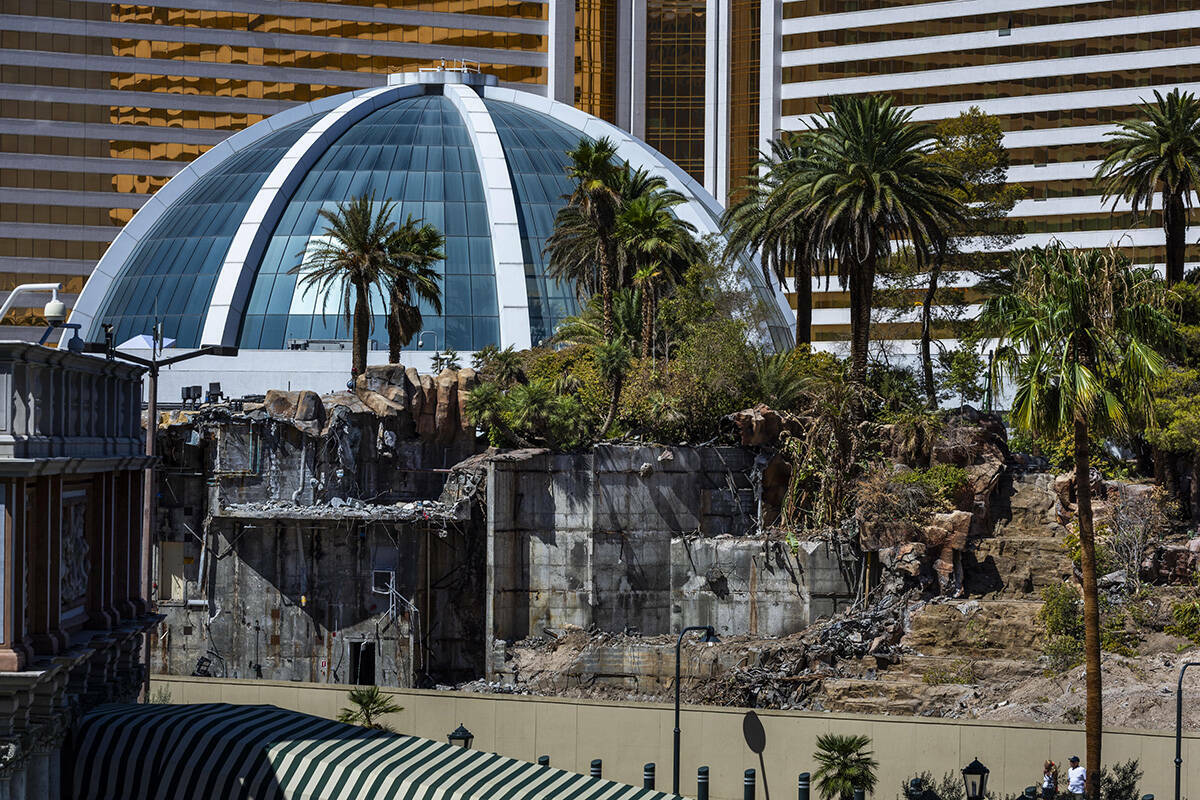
{"x":745,"y":24}
{"x":101,"y":104}
{"x":596,"y":58}
{"x":675,"y":81}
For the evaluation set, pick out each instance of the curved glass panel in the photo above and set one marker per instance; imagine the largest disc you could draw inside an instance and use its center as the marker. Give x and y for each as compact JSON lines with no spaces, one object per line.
{"x":172,"y":271}
{"x":416,"y":152}
{"x":536,"y":146}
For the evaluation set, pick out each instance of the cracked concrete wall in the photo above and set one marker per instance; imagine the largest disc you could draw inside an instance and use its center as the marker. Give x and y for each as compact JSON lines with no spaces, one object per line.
{"x":645,"y":540}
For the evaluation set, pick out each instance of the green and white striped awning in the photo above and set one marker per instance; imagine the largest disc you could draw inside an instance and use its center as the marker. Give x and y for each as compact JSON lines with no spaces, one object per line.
{"x":216,"y":751}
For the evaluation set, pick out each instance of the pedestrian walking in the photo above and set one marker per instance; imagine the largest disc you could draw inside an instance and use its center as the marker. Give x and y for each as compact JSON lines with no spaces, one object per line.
{"x":1049,"y":780}
{"x":1076,"y":777}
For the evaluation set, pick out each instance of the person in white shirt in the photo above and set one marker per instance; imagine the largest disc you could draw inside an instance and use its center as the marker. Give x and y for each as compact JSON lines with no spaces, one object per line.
{"x":1049,"y":781}
{"x":1076,"y":777}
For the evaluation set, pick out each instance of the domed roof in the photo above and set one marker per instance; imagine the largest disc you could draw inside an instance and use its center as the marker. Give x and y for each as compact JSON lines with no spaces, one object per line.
{"x":211,"y":255}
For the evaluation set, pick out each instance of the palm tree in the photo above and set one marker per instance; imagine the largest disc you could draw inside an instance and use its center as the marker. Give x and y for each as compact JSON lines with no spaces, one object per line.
{"x":1078,"y":334}
{"x":863,"y":183}
{"x":488,"y":407}
{"x":756,"y":223}
{"x":612,"y":362}
{"x":1159,"y":153}
{"x":585,"y":328}
{"x":595,"y":199}
{"x":355,"y":256}
{"x":417,"y":247}
{"x":844,"y":764}
{"x":655,"y":248}
{"x":367,"y":705}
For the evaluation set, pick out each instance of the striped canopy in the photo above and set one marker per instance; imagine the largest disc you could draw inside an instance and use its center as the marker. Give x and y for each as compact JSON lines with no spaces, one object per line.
{"x":217,"y":750}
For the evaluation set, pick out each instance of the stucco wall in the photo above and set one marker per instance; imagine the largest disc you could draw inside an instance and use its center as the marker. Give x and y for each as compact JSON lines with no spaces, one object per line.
{"x":625,"y":736}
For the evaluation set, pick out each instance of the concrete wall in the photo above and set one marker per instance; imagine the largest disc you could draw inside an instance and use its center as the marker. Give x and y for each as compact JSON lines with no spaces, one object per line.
{"x":627,"y":735}
{"x":648,"y":539}
{"x":293,"y":599}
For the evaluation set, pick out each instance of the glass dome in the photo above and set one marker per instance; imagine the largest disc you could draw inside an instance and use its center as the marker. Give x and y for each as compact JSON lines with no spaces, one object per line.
{"x":214,"y":258}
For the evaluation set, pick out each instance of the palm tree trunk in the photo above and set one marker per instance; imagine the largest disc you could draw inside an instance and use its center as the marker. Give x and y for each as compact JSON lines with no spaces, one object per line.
{"x":362,"y":326}
{"x":927,"y":334}
{"x":1195,"y":488}
{"x":613,"y":403}
{"x":803,"y":306}
{"x":862,"y":283}
{"x":647,"y":323}
{"x":606,"y":288}
{"x":1094,"y":719}
{"x":1175,"y":225}
{"x":393,"y":329}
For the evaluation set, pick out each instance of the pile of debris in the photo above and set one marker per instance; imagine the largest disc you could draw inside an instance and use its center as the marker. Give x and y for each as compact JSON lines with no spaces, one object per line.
{"x":341,"y":509}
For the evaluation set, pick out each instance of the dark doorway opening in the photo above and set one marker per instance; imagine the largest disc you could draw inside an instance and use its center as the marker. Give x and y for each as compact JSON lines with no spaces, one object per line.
{"x":362,"y":663}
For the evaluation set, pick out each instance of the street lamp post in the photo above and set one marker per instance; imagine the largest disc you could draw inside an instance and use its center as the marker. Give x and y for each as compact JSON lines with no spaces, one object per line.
{"x":152,"y":365}
{"x":461,"y":737}
{"x":710,"y":636}
{"x":1179,"y":726}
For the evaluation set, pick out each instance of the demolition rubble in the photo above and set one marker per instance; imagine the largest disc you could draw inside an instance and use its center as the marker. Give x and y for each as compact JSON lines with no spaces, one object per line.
{"x":370,"y":536}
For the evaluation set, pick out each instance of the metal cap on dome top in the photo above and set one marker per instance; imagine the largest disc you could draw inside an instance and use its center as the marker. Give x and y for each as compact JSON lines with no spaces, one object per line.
{"x":454,"y":71}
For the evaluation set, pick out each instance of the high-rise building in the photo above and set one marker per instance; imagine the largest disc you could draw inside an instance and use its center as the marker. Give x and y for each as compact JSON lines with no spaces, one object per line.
{"x":1056,"y":76}
{"x":101,"y":103}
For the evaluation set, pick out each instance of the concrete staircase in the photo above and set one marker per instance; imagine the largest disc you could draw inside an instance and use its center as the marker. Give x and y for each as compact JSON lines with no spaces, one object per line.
{"x":990,"y":636}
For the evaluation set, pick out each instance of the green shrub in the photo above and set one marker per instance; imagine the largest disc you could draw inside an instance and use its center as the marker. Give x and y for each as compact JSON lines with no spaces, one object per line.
{"x":957,"y":672}
{"x":1104,"y":557}
{"x":1185,"y":616}
{"x":942,"y":482}
{"x":1062,"y":652}
{"x":1062,"y":611}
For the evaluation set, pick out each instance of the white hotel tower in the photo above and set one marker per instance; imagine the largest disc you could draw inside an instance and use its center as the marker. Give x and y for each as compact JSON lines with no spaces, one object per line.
{"x":1056,"y":75}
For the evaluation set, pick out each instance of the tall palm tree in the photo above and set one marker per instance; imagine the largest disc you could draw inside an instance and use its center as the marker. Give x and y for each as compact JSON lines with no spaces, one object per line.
{"x":1078,"y":333}
{"x":417,"y":246}
{"x":760,"y":222}
{"x":1159,"y":154}
{"x":863,"y":183}
{"x":595,"y":199}
{"x":844,"y":764}
{"x":355,"y":256}
{"x":655,"y":247}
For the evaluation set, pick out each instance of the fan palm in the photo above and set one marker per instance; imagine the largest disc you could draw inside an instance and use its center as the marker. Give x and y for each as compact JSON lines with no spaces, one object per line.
{"x":1078,"y":334}
{"x":863,"y":183}
{"x":355,"y":256}
{"x":417,"y":246}
{"x":1159,"y":154}
{"x":757,"y":223}
{"x":367,"y":705}
{"x":595,"y":199}
{"x":586,"y":327}
{"x":844,"y":764}
{"x":612,"y":362}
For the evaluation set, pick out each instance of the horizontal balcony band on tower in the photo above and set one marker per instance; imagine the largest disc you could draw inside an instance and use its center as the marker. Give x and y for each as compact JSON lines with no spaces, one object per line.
{"x":1000,"y":106}
{"x":189,"y":69}
{"x":994,"y":73}
{"x":66,"y":197}
{"x":70,"y":233}
{"x":117,"y":133}
{"x":904,"y":14}
{"x":47,"y":266}
{"x":89,"y":164}
{"x":983,"y":40}
{"x":272,"y":41}
{"x":176,"y":101}
{"x":987,"y":21}
{"x":351,"y":13}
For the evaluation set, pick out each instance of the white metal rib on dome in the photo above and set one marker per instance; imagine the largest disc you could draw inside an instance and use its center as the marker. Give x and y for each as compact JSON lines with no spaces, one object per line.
{"x":333,"y":117}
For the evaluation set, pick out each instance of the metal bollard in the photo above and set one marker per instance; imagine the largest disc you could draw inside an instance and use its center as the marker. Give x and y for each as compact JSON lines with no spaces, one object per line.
{"x":702,"y":783}
{"x":597,"y":765}
{"x":859,"y":794}
{"x":543,"y":761}
{"x":648,"y":776}
{"x":748,"y":785}
{"x":802,"y":790}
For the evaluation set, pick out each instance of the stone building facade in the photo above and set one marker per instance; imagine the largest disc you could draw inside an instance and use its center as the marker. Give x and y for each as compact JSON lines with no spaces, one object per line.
{"x":72,"y":615}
